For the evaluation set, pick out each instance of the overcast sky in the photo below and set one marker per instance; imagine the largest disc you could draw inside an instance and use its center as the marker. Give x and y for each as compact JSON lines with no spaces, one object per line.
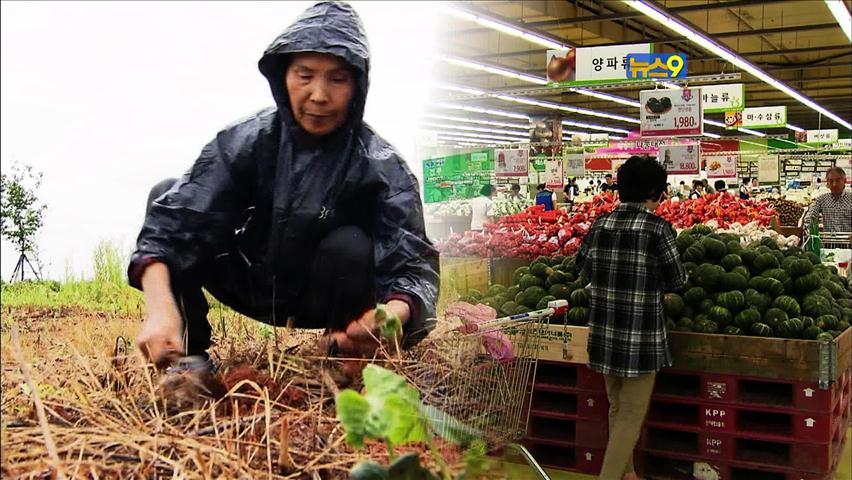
{"x":107,"y":98}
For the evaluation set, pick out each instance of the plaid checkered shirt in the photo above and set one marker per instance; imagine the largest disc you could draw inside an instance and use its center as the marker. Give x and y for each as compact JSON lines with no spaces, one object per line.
{"x":836,"y":214}
{"x":631,"y":259}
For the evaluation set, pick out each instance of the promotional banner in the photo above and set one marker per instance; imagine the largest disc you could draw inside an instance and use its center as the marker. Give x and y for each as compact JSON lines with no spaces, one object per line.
{"x":656,"y":65}
{"x":768,"y":170}
{"x":511,"y":162}
{"x":666,"y":113}
{"x":616,"y":163}
{"x":721,"y":166}
{"x":590,"y":140}
{"x":553,"y":173}
{"x":757,"y":117}
{"x":723,"y":98}
{"x":591,"y":65}
{"x":546,"y":135}
{"x":680,"y":159}
{"x":575,"y":165}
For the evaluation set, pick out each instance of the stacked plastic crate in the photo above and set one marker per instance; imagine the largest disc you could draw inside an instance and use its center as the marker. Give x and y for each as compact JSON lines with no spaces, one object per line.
{"x":568,"y":417}
{"x":727,"y":427}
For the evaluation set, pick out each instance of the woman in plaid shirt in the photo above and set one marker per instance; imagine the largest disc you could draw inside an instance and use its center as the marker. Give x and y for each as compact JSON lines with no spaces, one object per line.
{"x":631,"y":259}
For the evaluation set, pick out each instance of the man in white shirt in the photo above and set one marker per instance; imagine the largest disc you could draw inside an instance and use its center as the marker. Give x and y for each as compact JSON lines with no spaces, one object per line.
{"x":482,"y":208}
{"x":835,"y":206}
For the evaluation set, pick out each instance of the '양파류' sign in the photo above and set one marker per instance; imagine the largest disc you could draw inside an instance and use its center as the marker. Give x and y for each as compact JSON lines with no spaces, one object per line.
{"x":591,"y":65}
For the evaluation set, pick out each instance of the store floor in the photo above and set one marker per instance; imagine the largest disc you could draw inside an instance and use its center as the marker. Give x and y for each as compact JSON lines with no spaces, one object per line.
{"x":520,"y":472}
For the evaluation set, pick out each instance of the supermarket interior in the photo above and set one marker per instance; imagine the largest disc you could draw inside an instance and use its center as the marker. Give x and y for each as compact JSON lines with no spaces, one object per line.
{"x":746,"y":104}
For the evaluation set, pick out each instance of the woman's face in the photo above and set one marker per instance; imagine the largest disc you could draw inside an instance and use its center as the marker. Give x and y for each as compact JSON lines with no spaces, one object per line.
{"x":320,"y":87}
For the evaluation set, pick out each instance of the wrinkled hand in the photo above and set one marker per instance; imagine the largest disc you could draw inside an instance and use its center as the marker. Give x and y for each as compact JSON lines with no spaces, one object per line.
{"x":160,"y":339}
{"x":362,"y":337}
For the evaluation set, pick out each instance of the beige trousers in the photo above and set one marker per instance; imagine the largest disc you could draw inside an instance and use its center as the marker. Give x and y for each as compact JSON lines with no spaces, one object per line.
{"x":628,"y":404}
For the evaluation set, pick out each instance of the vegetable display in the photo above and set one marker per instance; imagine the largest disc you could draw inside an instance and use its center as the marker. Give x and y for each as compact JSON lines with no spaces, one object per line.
{"x":533,"y":232}
{"x":788,"y":211}
{"x":760,"y":290}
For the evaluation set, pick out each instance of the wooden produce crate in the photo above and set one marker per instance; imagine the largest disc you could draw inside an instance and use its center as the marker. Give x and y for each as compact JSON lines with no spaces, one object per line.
{"x":789,"y":359}
{"x":501,"y":269}
{"x":460,"y":274}
{"x":803,"y":360}
{"x":553,"y":339}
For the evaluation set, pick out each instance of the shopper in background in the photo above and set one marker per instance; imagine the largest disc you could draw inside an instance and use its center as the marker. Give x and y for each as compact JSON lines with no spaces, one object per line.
{"x":721,"y":186}
{"x":300,"y":214}
{"x":545,"y":197}
{"x":707,"y":188}
{"x":697,"y":190}
{"x":571,"y":190}
{"x":745,"y":190}
{"x":835,"y":206}
{"x":755,"y":186}
{"x":482,"y":208}
{"x":515,"y":194}
{"x":610,"y":185}
{"x":631,"y":260}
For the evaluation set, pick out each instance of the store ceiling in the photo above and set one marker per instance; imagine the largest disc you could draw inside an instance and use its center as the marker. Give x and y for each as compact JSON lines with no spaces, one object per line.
{"x":799,"y":42}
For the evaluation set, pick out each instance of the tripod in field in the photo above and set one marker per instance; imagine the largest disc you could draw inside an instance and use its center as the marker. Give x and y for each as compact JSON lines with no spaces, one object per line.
{"x":23,"y":262}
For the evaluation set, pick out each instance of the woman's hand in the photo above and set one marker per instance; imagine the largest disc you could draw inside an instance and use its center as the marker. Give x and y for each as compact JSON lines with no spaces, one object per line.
{"x":362,"y":337}
{"x":161,"y":337}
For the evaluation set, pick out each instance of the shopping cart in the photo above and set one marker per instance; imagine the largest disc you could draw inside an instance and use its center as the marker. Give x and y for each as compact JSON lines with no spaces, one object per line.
{"x":485,"y":375}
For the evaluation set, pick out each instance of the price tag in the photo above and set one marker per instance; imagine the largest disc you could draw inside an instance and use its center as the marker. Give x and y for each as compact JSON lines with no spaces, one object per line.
{"x":671,"y":113}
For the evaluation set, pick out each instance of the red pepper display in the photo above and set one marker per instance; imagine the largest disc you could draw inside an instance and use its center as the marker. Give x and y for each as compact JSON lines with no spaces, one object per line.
{"x":534,"y":232}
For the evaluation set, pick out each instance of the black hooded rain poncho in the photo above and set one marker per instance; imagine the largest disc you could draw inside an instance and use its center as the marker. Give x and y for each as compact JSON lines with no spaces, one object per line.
{"x":282,"y":191}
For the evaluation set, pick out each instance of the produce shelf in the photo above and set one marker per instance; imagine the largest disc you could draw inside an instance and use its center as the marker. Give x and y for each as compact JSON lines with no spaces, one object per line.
{"x":663,"y":466}
{"x":569,"y":375}
{"x":577,"y":458}
{"x":569,"y":405}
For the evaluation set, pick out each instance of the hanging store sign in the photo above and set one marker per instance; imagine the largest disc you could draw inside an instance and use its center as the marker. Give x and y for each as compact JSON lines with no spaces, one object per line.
{"x":680,"y":159}
{"x":590,"y":140}
{"x":616,"y":164}
{"x":757,"y":117}
{"x":511,"y":162}
{"x":575,"y":165}
{"x":723,"y":98}
{"x":546,"y":135}
{"x":671,"y":113}
{"x":591,"y":65}
{"x":553,"y":173}
{"x":656,"y":65}
{"x":721,"y":166}
{"x":818,"y":137}
{"x":768,"y":170}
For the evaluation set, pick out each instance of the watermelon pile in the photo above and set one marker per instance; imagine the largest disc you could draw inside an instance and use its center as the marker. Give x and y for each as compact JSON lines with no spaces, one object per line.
{"x":760,"y":290}
{"x":544,"y":280}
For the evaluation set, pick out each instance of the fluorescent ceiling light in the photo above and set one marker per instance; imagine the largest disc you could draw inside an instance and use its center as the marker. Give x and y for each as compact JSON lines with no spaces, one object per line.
{"x":481,"y":135}
{"x":539,"y":81}
{"x":607,"y":96}
{"x":504,"y":27}
{"x":838,"y":9}
{"x":669,"y":84}
{"x":714,"y":123}
{"x":524,"y":126}
{"x":487,"y":111}
{"x":695,"y":37}
{"x":594,"y":127}
{"x":477,"y":129}
{"x":492,"y":69}
{"x":795,"y":128}
{"x":712,"y":135}
{"x":751,"y":132}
